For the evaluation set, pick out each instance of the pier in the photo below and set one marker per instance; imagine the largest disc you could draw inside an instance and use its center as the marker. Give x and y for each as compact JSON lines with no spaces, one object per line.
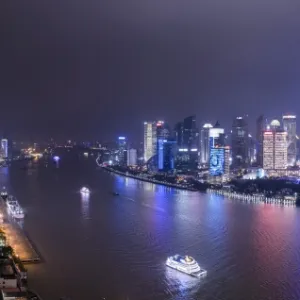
{"x":17,"y":238}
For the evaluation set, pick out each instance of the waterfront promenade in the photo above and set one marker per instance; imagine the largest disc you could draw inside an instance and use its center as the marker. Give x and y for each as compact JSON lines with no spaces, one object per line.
{"x":173,"y":185}
{"x":17,"y":239}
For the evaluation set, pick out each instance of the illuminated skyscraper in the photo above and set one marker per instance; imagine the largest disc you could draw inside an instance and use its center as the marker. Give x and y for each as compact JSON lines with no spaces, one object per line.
{"x":217,"y":150}
{"x":166,"y":155}
{"x":240,"y":143}
{"x":204,"y":143}
{"x":190,"y":133}
{"x":4,"y":148}
{"x":150,"y":140}
{"x":131,"y":157}
{"x":274,"y":148}
{"x":122,"y":148}
{"x":289,"y":126}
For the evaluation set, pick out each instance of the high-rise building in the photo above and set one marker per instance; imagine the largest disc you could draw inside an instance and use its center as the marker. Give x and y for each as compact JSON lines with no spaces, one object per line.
{"x":166,"y":155}
{"x":239,"y":143}
{"x":190,"y":133}
{"x":178,"y":134}
{"x":204,"y":143}
{"x":131,"y":157}
{"x":4,"y":148}
{"x":260,"y":128}
{"x":252,"y":149}
{"x":150,"y":140}
{"x":122,"y":149}
{"x":289,"y":126}
{"x":217,"y":150}
{"x":274,"y":148}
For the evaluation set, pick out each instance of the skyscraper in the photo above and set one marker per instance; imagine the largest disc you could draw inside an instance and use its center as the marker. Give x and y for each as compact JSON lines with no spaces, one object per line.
{"x":190,"y":133}
{"x":150,"y":140}
{"x":275,"y":148}
{"x":239,"y":143}
{"x":289,"y":126}
{"x":178,"y":134}
{"x":122,"y":148}
{"x":4,"y":148}
{"x":260,"y":128}
{"x":166,"y":155}
{"x":204,"y":143}
{"x":217,"y":150}
{"x":131,"y":157}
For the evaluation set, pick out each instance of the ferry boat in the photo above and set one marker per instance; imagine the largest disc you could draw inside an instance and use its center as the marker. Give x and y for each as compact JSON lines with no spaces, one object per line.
{"x":4,"y":193}
{"x":14,"y":208}
{"x":85,"y":190}
{"x":185,"y":264}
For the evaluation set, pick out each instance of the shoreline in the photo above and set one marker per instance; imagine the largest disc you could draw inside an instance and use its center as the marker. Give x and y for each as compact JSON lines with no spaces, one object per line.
{"x":173,"y":185}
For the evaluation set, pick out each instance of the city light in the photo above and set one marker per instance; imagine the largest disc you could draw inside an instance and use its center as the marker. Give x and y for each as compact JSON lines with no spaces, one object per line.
{"x":122,"y":138}
{"x":56,"y":158}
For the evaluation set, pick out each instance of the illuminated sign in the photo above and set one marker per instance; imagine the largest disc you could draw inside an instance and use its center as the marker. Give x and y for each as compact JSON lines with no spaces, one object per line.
{"x":194,"y":149}
{"x":216,"y":161}
{"x":121,"y":138}
{"x":289,"y":117}
{"x":183,"y":150}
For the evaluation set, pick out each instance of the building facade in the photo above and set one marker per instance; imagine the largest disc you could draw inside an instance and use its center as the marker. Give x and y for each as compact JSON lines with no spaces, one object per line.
{"x":131,"y":157}
{"x":289,"y":126}
{"x":217,"y":150}
{"x":122,"y":150}
{"x":204,"y":143}
{"x":150,"y":140}
{"x":240,"y":143}
{"x":274,"y":149}
{"x":166,"y":155}
{"x":4,"y":148}
{"x":260,"y":128}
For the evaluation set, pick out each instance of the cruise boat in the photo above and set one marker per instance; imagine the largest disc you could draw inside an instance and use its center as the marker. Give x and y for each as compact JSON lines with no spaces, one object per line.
{"x":85,"y":190}
{"x":4,"y":193}
{"x":185,"y":264}
{"x":14,"y":208}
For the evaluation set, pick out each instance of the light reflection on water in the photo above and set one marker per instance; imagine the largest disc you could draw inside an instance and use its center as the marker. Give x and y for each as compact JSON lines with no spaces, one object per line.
{"x":121,"y":242}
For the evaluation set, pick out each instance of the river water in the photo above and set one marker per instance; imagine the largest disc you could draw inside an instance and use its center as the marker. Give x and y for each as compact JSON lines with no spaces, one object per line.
{"x":116,"y":246}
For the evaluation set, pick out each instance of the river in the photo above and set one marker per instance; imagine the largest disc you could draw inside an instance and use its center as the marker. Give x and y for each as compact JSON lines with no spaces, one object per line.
{"x":116,"y":246}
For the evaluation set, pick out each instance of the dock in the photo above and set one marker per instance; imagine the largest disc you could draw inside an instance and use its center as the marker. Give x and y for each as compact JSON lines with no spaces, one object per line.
{"x":17,"y":238}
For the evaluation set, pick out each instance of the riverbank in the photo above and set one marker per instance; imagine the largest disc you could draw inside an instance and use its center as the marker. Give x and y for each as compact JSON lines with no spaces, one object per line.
{"x":17,"y":239}
{"x":173,"y":185}
{"x":253,"y":198}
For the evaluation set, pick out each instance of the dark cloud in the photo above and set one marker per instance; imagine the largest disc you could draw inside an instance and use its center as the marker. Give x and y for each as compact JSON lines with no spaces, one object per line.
{"x":99,"y":68}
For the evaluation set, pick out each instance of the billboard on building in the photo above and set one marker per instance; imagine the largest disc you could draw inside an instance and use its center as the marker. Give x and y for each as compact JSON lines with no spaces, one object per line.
{"x":217,"y":161}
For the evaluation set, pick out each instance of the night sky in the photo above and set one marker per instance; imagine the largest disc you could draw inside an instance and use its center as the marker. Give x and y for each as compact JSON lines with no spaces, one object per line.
{"x":98,"y":69}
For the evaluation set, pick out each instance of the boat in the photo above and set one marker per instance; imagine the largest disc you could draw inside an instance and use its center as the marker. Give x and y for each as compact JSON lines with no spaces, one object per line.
{"x":185,"y":264}
{"x":4,"y":193}
{"x":84,"y":190}
{"x":14,"y":208}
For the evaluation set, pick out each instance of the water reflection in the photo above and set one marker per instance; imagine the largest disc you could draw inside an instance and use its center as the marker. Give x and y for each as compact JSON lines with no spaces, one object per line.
{"x":85,"y":205}
{"x":180,"y":285}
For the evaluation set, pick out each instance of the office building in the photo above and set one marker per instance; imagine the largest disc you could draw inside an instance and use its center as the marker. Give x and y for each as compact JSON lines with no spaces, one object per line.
{"x":178,"y":134}
{"x":204,"y":143}
{"x":252,"y":149}
{"x":190,"y":133}
{"x":166,"y":155}
{"x":217,"y":150}
{"x":239,"y":143}
{"x":150,"y":140}
{"x":122,"y":150}
{"x":4,"y":148}
{"x":275,"y":148}
{"x":260,"y":128}
{"x":289,"y":126}
{"x":131,"y":157}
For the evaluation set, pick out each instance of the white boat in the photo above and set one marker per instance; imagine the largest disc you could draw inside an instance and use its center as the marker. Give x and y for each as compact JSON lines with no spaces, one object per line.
{"x":185,"y":264}
{"x":84,"y":190}
{"x":15,"y":209}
